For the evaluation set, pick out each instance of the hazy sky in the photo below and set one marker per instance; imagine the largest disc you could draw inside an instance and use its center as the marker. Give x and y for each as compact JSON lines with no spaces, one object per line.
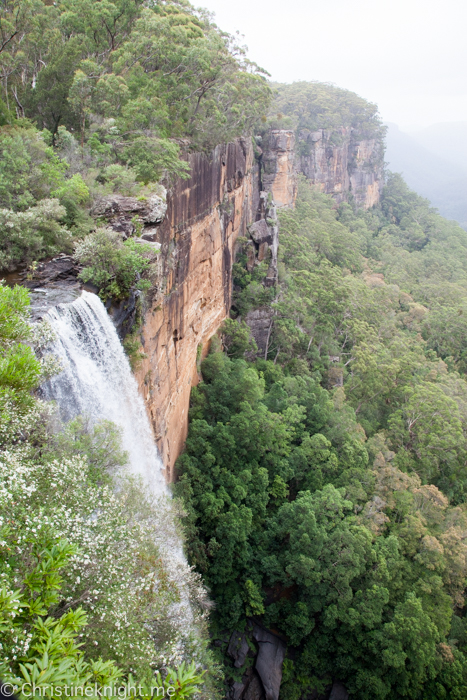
{"x":408,"y":56}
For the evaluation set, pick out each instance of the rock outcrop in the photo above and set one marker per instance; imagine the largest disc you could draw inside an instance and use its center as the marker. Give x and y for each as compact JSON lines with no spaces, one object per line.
{"x":342,"y":164}
{"x":279,"y":171}
{"x":205,"y":215}
{"x":269,"y":661}
{"x":125,"y":214}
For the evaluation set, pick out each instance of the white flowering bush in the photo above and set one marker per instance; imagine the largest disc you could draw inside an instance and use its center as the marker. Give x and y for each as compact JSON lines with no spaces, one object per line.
{"x":32,"y":234}
{"x":93,"y":583}
{"x":139,"y":604}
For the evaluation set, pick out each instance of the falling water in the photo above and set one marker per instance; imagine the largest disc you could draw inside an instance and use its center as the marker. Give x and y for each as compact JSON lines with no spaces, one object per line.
{"x":96,"y":381}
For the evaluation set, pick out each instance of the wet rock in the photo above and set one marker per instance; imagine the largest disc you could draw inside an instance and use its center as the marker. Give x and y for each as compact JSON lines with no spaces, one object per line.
{"x":238,"y":649}
{"x":339,"y":692}
{"x":124,"y":313}
{"x":269,"y":661}
{"x":62,"y":268}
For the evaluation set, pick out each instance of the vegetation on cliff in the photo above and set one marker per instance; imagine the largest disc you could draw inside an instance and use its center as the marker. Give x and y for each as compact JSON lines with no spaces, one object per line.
{"x":100,"y":98}
{"x":311,"y":105}
{"x":326,"y":485}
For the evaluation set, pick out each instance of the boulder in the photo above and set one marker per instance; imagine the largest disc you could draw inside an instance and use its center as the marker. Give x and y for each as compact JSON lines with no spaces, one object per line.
{"x":255,"y":689}
{"x":62,"y":268}
{"x":122,"y":212}
{"x":155,"y":208}
{"x":269,"y":661}
{"x":150,"y":233}
{"x":236,"y":691}
{"x":260,"y":233}
{"x":238,"y":649}
{"x":152,"y":244}
{"x":338,"y":692}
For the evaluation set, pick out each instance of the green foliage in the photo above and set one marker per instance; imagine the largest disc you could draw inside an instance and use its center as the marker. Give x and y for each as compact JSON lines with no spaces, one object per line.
{"x":159,"y":71}
{"x":132,"y":81}
{"x":237,"y":339}
{"x":181,"y":683}
{"x":325,"y":486}
{"x":32,"y":234}
{"x":29,"y":169}
{"x":314,"y":105}
{"x":112,"y":265}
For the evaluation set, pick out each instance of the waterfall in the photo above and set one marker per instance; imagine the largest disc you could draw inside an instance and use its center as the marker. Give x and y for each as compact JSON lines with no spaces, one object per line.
{"x":96,"y":381}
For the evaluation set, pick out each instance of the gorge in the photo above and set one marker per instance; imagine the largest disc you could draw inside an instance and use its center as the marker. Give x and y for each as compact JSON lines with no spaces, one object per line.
{"x":233,"y":394}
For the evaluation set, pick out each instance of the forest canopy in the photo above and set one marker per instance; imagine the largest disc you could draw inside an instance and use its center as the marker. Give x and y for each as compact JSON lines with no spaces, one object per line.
{"x":326,"y":483}
{"x":311,"y":105}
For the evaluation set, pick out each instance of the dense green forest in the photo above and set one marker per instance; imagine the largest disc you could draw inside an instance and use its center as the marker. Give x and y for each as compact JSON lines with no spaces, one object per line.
{"x":326,"y":482}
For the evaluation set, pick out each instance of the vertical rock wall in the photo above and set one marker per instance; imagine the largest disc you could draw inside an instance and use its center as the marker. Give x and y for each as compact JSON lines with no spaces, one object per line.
{"x":341,"y":164}
{"x":279,"y":172}
{"x":205,"y":215}
{"x":229,"y":195}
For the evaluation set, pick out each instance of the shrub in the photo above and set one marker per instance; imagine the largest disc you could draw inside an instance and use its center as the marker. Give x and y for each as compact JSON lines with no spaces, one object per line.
{"x":111,"y":264}
{"x":29,"y":168}
{"x":32,"y":234}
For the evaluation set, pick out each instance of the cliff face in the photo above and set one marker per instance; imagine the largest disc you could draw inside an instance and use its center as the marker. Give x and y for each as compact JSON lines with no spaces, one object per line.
{"x":279,"y":172}
{"x":205,"y":215}
{"x":341,"y":164}
{"x":228,"y":194}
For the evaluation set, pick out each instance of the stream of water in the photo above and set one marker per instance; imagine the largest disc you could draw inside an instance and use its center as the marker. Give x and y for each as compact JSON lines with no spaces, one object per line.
{"x":96,"y":381}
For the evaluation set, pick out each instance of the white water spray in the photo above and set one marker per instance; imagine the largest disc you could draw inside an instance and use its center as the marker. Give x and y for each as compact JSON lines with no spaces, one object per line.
{"x":96,"y":381}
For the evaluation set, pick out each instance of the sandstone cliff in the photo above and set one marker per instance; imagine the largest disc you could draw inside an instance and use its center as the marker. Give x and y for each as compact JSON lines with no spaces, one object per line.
{"x":205,"y":215}
{"x":229,"y":194}
{"x":338,"y":161}
{"x":343,"y":164}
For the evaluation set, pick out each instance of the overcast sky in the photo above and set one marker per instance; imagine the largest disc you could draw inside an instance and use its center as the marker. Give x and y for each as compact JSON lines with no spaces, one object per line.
{"x":408,"y":56}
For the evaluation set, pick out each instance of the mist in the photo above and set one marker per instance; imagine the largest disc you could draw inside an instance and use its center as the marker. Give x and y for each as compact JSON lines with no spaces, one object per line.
{"x":407,"y":56}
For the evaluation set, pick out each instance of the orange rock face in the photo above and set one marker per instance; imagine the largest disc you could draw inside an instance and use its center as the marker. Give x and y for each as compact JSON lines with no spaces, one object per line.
{"x":205,"y":216}
{"x":341,"y":165}
{"x":279,"y":175}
